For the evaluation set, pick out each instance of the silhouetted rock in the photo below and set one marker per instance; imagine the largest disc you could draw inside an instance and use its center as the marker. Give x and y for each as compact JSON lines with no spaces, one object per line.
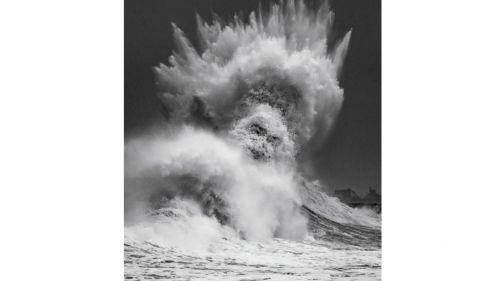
{"x":347,"y":196}
{"x":373,"y":197}
{"x":371,"y":200}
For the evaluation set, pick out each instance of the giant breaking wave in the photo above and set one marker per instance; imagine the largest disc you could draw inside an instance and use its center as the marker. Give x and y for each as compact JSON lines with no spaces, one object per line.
{"x":242,"y":109}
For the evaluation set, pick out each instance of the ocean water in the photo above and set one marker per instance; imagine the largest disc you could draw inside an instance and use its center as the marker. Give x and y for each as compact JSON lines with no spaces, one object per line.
{"x":179,"y":242}
{"x":277,"y":259}
{"x":331,"y":251}
{"x":221,"y":192}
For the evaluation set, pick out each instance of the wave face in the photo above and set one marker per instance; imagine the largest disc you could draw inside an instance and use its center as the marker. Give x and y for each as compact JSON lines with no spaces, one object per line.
{"x":240,"y":111}
{"x":258,"y":200}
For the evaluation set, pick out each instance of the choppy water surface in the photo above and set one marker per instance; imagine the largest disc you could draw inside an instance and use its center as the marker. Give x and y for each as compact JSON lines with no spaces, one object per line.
{"x":277,"y":259}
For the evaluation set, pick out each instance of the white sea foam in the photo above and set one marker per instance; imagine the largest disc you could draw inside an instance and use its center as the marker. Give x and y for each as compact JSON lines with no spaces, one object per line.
{"x":239,"y":112}
{"x":288,"y":45}
{"x":262,"y":199}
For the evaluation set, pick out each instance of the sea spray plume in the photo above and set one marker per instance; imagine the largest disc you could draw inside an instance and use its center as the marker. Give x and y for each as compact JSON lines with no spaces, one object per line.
{"x":285,"y":47}
{"x":239,"y":113}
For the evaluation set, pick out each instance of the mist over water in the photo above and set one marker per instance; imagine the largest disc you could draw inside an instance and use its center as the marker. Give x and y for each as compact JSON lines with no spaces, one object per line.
{"x":241,"y":111}
{"x":258,"y":199}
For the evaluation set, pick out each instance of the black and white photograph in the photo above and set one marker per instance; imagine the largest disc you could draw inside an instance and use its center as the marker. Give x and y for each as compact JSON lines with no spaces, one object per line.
{"x":252,"y":140}
{"x":249,"y":140}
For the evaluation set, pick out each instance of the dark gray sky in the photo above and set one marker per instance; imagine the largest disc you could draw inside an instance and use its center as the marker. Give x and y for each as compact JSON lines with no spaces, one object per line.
{"x":351,"y":157}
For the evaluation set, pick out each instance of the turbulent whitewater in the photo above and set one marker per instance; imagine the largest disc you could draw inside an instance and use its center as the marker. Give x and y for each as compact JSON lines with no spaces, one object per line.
{"x":221,"y":192}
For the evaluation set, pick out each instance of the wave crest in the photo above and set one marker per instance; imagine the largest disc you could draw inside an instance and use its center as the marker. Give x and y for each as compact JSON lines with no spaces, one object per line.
{"x":287,"y":46}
